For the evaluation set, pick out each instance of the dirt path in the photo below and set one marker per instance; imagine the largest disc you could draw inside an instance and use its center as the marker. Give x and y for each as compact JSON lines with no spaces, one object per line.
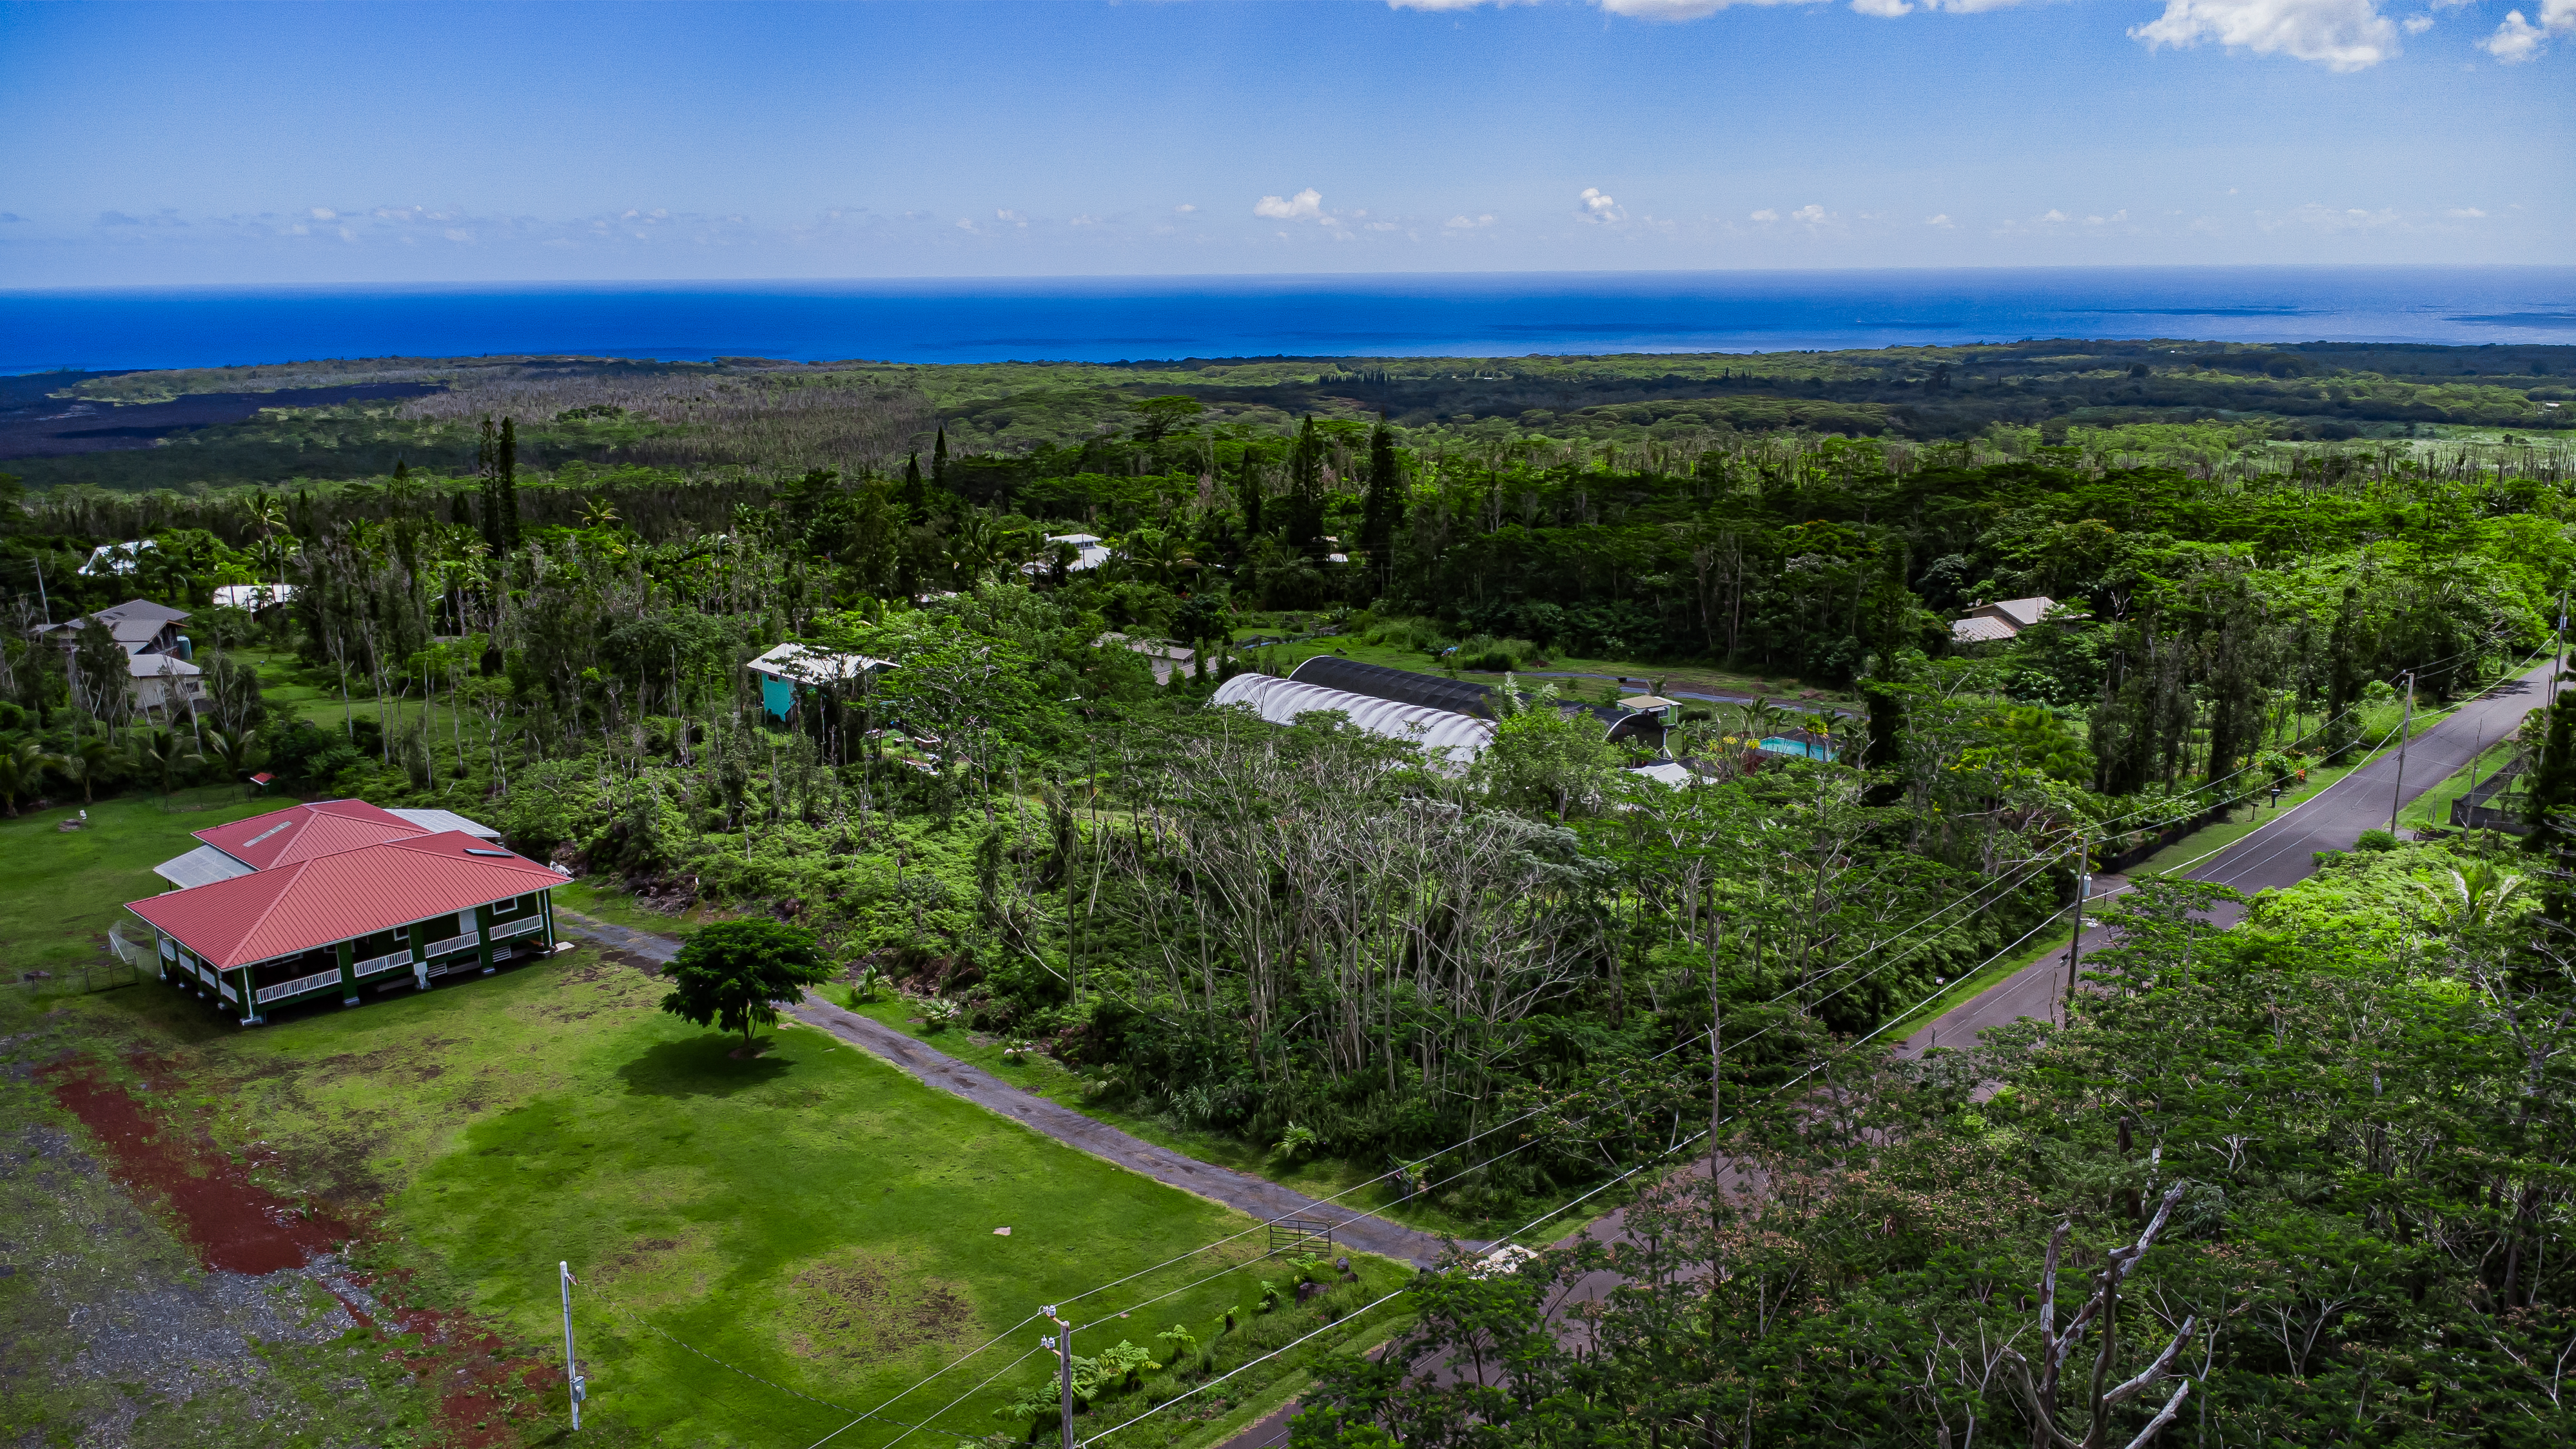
{"x":1241,"y":1191}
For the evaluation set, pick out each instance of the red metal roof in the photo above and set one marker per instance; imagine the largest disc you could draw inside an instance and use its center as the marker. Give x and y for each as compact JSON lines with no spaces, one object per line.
{"x":310,"y":903}
{"x":306,"y":832}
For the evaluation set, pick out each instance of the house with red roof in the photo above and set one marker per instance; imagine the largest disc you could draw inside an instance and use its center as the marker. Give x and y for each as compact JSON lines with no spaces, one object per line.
{"x":336,"y":896}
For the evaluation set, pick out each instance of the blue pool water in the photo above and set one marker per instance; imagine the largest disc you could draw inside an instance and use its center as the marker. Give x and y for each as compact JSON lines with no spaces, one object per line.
{"x":1116,"y":319}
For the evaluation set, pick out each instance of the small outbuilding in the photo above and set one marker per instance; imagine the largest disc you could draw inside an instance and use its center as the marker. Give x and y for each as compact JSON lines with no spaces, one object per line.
{"x":1994,"y":623}
{"x":791,"y":669}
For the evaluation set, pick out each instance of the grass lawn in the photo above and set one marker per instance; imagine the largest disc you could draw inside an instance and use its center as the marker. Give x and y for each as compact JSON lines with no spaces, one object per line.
{"x":809,"y":1215}
{"x":2432,"y":809}
{"x":66,"y":887}
{"x":1319,"y":1178}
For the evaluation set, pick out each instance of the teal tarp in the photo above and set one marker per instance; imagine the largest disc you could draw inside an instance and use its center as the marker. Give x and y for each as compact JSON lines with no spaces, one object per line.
{"x":777,"y":695}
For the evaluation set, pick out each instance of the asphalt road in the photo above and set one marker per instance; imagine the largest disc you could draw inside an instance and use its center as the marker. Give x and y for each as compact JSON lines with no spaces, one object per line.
{"x":2279,"y":853}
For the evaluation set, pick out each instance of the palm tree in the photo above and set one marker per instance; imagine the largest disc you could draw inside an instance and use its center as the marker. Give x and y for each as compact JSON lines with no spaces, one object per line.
{"x":1157,"y":557}
{"x":598,"y":513}
{"x":22,"y":769}
{"x":2473,"y":897}
{"x":160,"y":753}
{"x":974,"y":545}
{"x":240,"y":752}
{"x":87,"y":761}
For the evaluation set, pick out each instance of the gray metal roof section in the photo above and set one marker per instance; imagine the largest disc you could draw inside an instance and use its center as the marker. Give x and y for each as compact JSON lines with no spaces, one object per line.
{"x":204,"y":865}
{"x":438,"y":820}
{"x":1401,"y":685}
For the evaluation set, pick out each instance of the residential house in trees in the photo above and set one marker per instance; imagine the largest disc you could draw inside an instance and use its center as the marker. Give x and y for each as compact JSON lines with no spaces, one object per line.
{"x":338,"y":897}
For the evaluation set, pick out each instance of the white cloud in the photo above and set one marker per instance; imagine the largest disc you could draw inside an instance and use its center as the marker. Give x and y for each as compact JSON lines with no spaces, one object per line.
{"x":1598,"y":206}
{"x":1306,"y":203}
{"x":1942,"y":220}
{"x":324,"y":213}
{"x":460,"y":234}
{"x":2418,"y":24}
{"x":1681,"y":10}
{"x":1469,"y":223}
{"x":2341,"y":35}
{"x":2333,"y":220}
{"x":2055,"y":215}
{"x":1811,"y":214}
{"x":1186,"y":207}
{"x":2466,"y":213}
{"x":2518,"y":40}
{"x":1766,"y":214}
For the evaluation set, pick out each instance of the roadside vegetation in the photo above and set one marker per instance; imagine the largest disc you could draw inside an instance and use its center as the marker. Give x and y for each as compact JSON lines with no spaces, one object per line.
{"x":1475,"y":997}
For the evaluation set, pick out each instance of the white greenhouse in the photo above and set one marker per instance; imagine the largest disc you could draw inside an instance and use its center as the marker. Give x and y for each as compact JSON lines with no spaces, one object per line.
{"x":1453,"y":740}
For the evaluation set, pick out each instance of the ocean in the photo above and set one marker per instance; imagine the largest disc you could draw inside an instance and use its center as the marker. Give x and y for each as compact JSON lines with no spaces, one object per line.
{"x":1136,"y":319}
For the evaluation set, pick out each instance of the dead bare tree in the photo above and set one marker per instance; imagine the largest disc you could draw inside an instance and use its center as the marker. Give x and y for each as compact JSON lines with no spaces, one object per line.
{"x":2040,"y":1392}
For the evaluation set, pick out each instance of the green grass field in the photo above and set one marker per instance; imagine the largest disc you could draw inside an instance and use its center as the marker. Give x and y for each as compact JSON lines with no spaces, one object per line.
{"x":1320,"y":1178}
{"x":66,"y":887}
{"x":810,"y":1216}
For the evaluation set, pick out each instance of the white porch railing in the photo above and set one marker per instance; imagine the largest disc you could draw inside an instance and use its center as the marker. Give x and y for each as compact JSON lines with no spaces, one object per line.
{"x":299,"y":985}
{"x":452,"y":943}
{"x":519,"y":928}
{"x":377,"y":965}
{"x":226,"y":988}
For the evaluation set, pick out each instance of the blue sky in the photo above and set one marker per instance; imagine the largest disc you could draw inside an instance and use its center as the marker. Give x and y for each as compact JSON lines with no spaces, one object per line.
{"x":207,"y":143}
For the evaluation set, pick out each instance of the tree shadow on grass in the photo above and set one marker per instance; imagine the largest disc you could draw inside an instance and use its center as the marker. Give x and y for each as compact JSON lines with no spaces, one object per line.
{"x":701,"y":1066}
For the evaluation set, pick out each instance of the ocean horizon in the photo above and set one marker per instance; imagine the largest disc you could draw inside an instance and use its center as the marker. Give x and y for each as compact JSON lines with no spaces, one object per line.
{"x":1123,"y":319}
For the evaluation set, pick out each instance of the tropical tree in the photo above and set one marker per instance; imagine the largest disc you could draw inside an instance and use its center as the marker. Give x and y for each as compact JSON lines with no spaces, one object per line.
{"x":730,"y":973}
{"x":239,"y":752}
{"x":89,"y":760}
{"x":22,"y":770}
{"x":1546,"y":757}
{"x":161,"y":754}
{"x":1157,"y":416}
{"x":1157,"y":557}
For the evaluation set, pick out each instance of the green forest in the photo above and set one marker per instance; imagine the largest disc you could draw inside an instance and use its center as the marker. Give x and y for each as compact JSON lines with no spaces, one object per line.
{"x":2303,"y":1180}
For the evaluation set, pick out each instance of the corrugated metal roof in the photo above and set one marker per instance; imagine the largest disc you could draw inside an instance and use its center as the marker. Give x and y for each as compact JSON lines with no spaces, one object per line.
{"x":204,"y":865}
{"x":1980,"y":630}
{"x":437,"y":820}
{"x":304,"y":832}
{"x":1452,"y":739}
{"x":808,"y":665}
{"x":313,"y":903}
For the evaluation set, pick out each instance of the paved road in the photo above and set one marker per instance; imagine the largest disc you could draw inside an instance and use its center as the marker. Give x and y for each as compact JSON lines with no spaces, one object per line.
{"x":2282,"y":852}
{"x":1241,"y":1191}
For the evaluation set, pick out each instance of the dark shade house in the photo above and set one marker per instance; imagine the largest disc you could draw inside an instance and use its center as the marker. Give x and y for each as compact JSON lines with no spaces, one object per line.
{"x":1458,"y":696}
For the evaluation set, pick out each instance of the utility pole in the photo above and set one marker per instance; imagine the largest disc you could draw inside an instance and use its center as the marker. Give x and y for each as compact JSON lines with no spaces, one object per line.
{"x":48,"y":606}
{"x":1062,"y":1342}
{"x":2083,"y":896}
{"x":572,"y":1367}
{"x":1716,"y":1055}
{"x":2397,"y":795}
{"x":2557,"y":645}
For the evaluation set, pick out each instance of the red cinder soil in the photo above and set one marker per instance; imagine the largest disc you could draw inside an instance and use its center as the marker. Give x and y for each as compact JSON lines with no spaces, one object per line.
{"x":233,"y":1223}
{"x":238,"y":1226}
